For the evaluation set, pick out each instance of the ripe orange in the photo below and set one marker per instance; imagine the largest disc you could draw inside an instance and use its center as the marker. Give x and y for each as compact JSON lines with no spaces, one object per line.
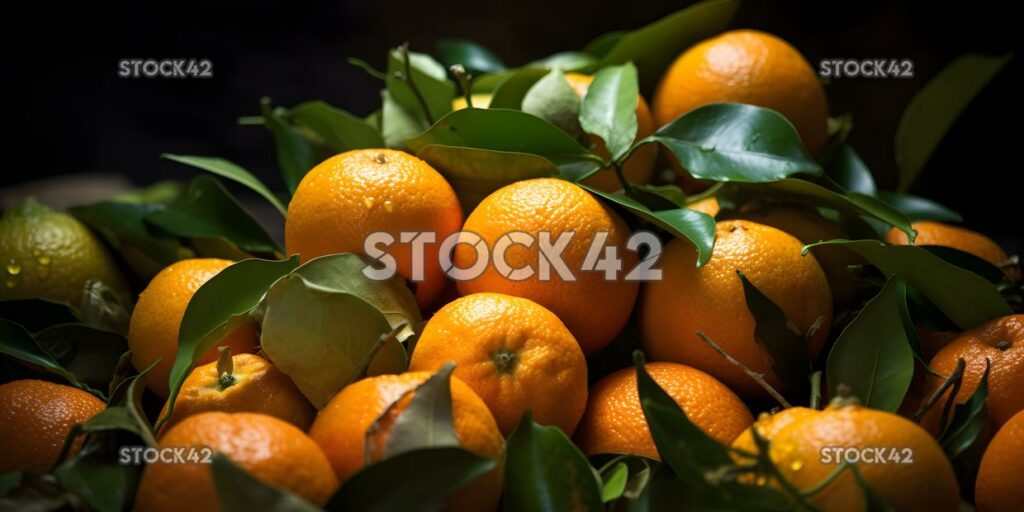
{"x":592,"y":308}
{"x":640,"y":166}
{"x":911,"y":473}
{"x":937,"y":233}
{"x":998,"y":486}
{"x":153,"y":329}
{"x":272,"y":450}
{"x":708,"y":205}
{"x":1001,"y":341}
{"x":615,"y":423}
{"x":711,"y":299}
{"x":248,"y":384}
{"x":746,"y":66}
{"x":341,"y":428}
{"x":349,"y":196}
{"x":516,"y":355}
{"x":807,"y":226}
{"x":35,"y":419}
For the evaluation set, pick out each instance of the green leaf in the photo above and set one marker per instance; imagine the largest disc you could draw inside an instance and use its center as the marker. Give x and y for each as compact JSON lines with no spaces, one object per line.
{"x":935,"y":108}
{"x":16,"y":342}
{"x":105,"y":308}
{"x":123,"y":226}
{"x":696,"y":227}
{"x":338,"y":129}
{"x":124,"y":411}
{"x":217,"y":308}
{"x":324,"y":321}
{"x":963,"y":296}
{"x":653,"y":47}
{"x":918,"y":208}
{"x":661,"y":197}
{"x":429,"y":77}
{"x":604,"y":43}
{"x":209,"y":211}
{"x":397,"y":124}
{"x":231,"y":171}
{"x":609,"y":108}
{"x":782,"y":340}
{"x":426,"y":422}
{"x":475,"y":173}
{"x":36,"y":314}
{"x":438,"y":472}
{"x":873,"y":501}
{"x":552,"y":99}
{"x":295,"y":153}
{"x":106,"y":487}
{"x":967,"y":261}
{"x":239,"y":491}
{"x":501,"y":130}
{"x":471,"y":55}
{"x":969,"y":420}
{"x":90,"y":354}
{"x":10,"y":481}
{"x":161,"y":192}
{"x":736,"y":142}
{"x":568,"y":61}
{"x":873,"y":355}
{"x":613,"y":482}
{"x":545,"y":471}
{"x":850,"y":172}
{"x":509,"y":93}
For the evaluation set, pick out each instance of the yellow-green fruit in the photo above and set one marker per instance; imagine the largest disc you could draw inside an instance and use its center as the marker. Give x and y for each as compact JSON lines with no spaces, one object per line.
{"x":480,"y":100}
{"x":51,"y":255}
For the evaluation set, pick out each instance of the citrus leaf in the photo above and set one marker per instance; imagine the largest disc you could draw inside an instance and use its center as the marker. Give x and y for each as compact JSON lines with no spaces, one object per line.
{"x":545,"y":471}
{"x":661,"y":197}
{"x":613,"y":482}
{"x":295,"y":154}
{"x":106,"y":487}
{"x":231,"y":171}
{"x":218,"y":307}
{"x":963,"y":296}
{"x":609,"y":108}
{"x":475,"y":173}
{"x":935,"y":108}
{"x":696,"y":227}
{"x":323,"y":321}
{"x":509,"y":93}
{"x":873,"y":355}
{"x":16,"y":342}
{"x":90,"y":354}
{"x":969,"y":419}
{"x":397,"y":124}
{"x":439,"y":472}
{"x":785,"y":345}
{"x":552,"y":99}
{"x":850,"y":172}
{"x":207,"y":210}
{"x":36,"y":314}
{"x":967,"y":261}
{"x":653,"y":47}
{"x":105,"y":308}
{"x":918,"y":208}
{"x":429,"y":77}
{"x":736,"y":142}
{"x":124,"y":411}
{"x":604,"y":43}
{"x":239,"y":491}
{"x":123,"y":226}
{"x":338,"y":129}
{"x":471,"y":55}
{"x":425,"y":423}
{"x":568,"y":61}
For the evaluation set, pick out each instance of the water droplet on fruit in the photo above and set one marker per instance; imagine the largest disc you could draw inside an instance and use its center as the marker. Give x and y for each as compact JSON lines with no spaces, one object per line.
{"x":13,"y":268}
{"x":389,"y":206}
{"x":796,"y":465}
{"x":43,"y":260}
{"x":368,"y":202}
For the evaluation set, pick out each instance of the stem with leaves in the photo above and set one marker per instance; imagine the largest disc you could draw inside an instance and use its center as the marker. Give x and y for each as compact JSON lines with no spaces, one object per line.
{"x":953,"y":380}
{"x":406,"y":76}
{"x":758,"y":377}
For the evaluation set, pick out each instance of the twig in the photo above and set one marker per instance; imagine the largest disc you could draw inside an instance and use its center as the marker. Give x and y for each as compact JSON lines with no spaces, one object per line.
{"x":954,"y":379}
{"x":758,"y":377}
{"x":465,"y":82}
{"x":403,"y":50}
{"x":364,"y":367}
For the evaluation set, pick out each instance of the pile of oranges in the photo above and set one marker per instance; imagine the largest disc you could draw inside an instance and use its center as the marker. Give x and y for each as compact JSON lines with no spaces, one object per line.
{"x":522,"y":345}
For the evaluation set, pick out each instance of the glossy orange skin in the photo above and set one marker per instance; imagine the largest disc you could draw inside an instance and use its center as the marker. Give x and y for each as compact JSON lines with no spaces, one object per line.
{"x":1000,"y":341}
{"x":258,"y":387}
{"x":746,"y":66}
{"x":35,"y":419}
{"x":153,"y":329}
{"x":349,"y":196}
{"x":593,"y":309}
{"x":798,"y":436}
{"x":515,"y":354}
{"x":270,"y":449}
{"x":341,"y":429}
{"x":711,"y":299}
{"x":998,"y":487}
{"x":708,"y":205}
{"x":972,"y":242}
{"x":640,"y":166}
{"x":615,"y":423}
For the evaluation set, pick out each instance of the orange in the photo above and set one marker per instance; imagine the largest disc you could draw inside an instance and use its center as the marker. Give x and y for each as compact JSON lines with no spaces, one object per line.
{"x":615,"y":423}
{"x":640,"y":166}
{"x":270,"y":449}
{"x":937,"y":233}
{"x":153,"y":329}
{"x":908,"y":469}
{"x":515,"y":354}
{"x":998,"y":486}
{"x":347,"y":197}
{"x":341,"y":429}
{"x":746,"y":66}
{"x":708,"y":205}
{"x":710,"y":299}
{"x":35,"y":419}
{"x":241,"y":383}
{"x":593,"y":309}
{"x":1000,"y":341}
{"x":807,"y":226}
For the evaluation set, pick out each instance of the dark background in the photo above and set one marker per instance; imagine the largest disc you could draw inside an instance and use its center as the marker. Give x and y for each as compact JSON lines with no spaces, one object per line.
{"x":69,"y":112}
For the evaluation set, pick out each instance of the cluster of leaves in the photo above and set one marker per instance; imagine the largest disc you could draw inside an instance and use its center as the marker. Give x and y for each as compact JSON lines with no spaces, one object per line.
{"x":326,"y":314}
